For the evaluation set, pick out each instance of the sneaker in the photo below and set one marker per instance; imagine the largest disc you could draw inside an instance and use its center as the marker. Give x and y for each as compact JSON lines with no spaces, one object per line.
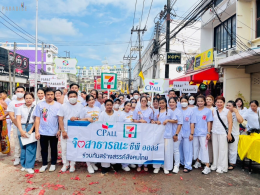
{"x":213,"y":168}
{"x":175,"y":169}
{"x":22,"y":169}
{"x":43,"y":168}
{"x":156,"y":170}
{"x":138,"y":169}
{"x":126,"y":168}
{"x":72,"y":168}
{"x":64,"y":168}
{"x":166,"y":171}
{"x":16,"y":161}
{"x":132,"y":166}
{"x":52,"y":168}
{"x":30,"y":171}
{"x":206,"y":170}
{"x":95,"y":167}
{"x":219,"y":171}
{"x":197,"y":165}
{"x":90,"y":169}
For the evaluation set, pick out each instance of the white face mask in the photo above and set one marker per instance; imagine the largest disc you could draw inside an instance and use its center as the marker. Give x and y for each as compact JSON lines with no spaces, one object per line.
{"x":149,"y":103}
{"x":136,"y":97}
{"x":191,"y":102}
{"x":19,"y":95}
{"x":184,"y":104}
{"x":73,"y":100}
{"x":116,"y":106}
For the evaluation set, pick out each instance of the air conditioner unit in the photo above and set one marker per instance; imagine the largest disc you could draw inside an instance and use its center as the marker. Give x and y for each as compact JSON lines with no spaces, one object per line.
{"x":232,"y":52}
{"x":49,"y":69}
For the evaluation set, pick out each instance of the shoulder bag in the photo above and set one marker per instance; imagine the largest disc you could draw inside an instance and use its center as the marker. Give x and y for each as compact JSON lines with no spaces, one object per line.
{"x":226,"y":129}
{"x":28,"y":118}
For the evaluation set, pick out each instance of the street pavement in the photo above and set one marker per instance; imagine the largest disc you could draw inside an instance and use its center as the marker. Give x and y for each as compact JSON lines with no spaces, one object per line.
{"x":13,"y":181}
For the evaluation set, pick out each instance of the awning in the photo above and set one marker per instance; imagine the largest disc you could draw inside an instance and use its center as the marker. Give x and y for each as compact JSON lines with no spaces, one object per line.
{"x":209,"y":74}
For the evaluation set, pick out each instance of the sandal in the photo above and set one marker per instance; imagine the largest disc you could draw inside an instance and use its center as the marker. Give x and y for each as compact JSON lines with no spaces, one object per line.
{"x":231,"y":167}
{"x":186,"y":171}
{"x":145,"y":169}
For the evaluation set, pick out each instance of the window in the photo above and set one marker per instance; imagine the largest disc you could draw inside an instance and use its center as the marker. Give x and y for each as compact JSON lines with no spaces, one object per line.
{"x":225,"y":35}
{"x":257,"y":18}
{"x":216,"y":2}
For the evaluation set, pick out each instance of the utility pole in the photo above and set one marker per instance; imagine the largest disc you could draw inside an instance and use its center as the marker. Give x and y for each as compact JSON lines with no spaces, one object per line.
{"x":139,"y":39}
{"x":9,"y":65}
{"x":42,"y":58}
{"x":36,"y":50}
{"x":168,"y":19}
{"x":156,"y":41}
{"x":14,"y":65}
{"x":130,"y":58}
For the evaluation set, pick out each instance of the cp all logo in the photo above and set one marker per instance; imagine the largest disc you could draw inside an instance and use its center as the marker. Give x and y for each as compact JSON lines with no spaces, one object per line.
{"x":130,"y":131}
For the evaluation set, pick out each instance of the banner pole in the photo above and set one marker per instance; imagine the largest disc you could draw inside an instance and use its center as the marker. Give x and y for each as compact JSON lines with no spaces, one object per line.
{"x":152,"y":99}
{"x":108,"y":94}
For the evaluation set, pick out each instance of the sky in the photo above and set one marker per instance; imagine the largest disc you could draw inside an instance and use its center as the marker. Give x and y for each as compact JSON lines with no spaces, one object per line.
{"x":92,"y":30}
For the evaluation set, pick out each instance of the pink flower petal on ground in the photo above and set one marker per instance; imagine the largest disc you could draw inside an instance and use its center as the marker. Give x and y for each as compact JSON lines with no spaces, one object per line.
{"x":181,"y":178}
{"x":42,"y":192}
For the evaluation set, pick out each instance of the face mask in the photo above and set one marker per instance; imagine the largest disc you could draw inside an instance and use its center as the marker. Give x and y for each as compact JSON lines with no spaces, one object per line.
{"x":19,"y":95}
{"x":184,"y":104}
{"x":191,"y":102}
{"x":73,"y":100}
{"x":116,"y":106}
{"x":136,"y":97}
{"x":149,"y":103}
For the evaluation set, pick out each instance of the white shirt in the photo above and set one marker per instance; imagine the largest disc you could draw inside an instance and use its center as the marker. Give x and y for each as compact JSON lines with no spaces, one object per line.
{"x":88,"y":112}
{"x":103,"y":108}
{"x":24,"y":111}
{"x":217,"y":126}
{"x":241,"y":112}
{"x":121,"y":107}
{"x":252,"y":119}
{"x":125,"y":117}
{"x":235,"y":127}
{"x":68,"y":110}
{"x":14,"y":105}
{"x":104,"y":117}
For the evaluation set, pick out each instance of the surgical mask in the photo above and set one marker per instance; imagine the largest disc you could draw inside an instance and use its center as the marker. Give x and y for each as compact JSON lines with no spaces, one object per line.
{"x":191,"y":102}
{"x":19,"y":95}
{"x":149,"y":103}
{"x":116,"y":106}
{"x":73,"y":100}
{"x":136,"y":97}
{"x":184,"y":104}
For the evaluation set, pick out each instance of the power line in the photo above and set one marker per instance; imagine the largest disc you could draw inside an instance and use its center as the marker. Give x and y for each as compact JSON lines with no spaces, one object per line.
{"x":142,"y":14}
{"x":149,"y":12}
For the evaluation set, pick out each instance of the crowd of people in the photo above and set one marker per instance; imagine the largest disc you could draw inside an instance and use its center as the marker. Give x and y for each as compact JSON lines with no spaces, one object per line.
{"x":199,"y":131}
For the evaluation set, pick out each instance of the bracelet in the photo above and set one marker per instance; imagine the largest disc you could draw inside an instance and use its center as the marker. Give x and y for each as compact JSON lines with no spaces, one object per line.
{"x":191,"y":134}
{"x":208,"y":133}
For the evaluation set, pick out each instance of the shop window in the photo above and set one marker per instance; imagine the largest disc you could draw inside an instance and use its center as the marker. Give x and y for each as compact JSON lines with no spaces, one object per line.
{"x":257,"y":18}
{"x":225,"y":35}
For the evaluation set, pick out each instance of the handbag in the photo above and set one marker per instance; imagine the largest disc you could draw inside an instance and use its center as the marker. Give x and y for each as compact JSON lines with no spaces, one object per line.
{"x":226,"y":129}
{"x":28,"y":118}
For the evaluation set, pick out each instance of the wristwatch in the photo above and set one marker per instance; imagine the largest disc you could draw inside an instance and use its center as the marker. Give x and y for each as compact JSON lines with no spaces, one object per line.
{"x":191,"y":134}
{"x":176,"y":134}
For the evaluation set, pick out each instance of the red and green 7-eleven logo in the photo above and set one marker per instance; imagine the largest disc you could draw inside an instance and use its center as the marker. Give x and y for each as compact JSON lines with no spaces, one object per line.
{"x":130,"y":131}
{"x":109,"y":81}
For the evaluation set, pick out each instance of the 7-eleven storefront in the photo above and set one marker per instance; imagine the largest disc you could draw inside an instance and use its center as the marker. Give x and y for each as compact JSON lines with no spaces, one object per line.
{"x":208,"y":76}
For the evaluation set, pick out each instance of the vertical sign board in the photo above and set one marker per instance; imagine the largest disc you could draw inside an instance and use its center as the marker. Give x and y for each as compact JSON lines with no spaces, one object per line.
{"x":108,"y":81}
{"x":173,"y":58}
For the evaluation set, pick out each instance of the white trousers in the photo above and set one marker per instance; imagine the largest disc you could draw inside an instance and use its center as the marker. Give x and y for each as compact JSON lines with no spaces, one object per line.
{"x":17,"y":147}
{"x":168,"y":155}
{"x":186,"y":153}
{"x":64,"y":152}
{"x":220,"y":152}
{"x":232,"y":150}
{"x":200,"y":149}
{"x":9,"y":127}
{"x":176,"y":153}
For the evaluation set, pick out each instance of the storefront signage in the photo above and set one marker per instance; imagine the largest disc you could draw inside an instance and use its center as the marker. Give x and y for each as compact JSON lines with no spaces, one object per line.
{"x":153,"y":85}
{"x":204,"y":59}
{"x":64,"y":66}
{"x":173,"y":58}
{"x":180,"y":84}
{"x":190,"y":64}
{"x":47,"y":78}
{"x":189,"y":89}
{"x":179,"y":69}
{"x":108,"y":81}
{"x":202,"y":87}
{"x":97,"y":82}
{"x":58,"y":83}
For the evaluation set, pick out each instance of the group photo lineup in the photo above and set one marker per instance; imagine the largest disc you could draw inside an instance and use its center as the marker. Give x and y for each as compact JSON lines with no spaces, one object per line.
{"x":130,"y":97}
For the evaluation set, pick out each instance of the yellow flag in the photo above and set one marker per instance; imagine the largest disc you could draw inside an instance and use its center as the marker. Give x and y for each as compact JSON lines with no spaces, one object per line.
{"x":127,"y":89}
{"x":205,"y":82}
{"x":209,"y":82}
{"x":138,"y":88}
{"x":198,"y":85}
{"x":191,"y":83}
{"x":141,"y":75}
{"x":215,"y":82}
{"x":17,"y":85}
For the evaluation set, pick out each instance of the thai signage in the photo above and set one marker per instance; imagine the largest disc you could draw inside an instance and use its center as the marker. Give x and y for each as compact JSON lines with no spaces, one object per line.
{"x":64,"y":66}
{"x":204,"y":59}
{"x":173,"y":58}
{"x":153,"y":85}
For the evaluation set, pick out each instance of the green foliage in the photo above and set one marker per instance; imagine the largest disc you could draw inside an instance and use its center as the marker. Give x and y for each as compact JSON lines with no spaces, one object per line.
{"x":240,"y":95}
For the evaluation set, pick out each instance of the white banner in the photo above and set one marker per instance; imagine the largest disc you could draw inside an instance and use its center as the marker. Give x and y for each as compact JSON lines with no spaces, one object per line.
{"x":47,"y":78}
{"x":57,"y":83}
{"x":134,"y":143}
{"x":180,"y":84}
{"x":153,"y":85}
{"x":65,"y":66}
{"x":189,"y":89}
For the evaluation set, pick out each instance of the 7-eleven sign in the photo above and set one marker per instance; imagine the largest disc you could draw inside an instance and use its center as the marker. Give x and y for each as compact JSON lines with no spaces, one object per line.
{"x":130,"y":131}
{"x":109,"y":81}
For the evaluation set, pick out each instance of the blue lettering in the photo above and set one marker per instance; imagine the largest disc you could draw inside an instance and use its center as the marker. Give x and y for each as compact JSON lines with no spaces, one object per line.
{"x":110,"y":145}
{"x":98,"y":132}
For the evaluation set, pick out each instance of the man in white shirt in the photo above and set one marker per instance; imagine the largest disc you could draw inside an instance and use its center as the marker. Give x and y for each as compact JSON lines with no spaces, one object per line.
{"x":136,"y":96}
{"x":104,"y":97}
{"x":12,"y":110}
{"x":75,"y":87}
{"x":3,"y":95}
{"x":69,"y":111}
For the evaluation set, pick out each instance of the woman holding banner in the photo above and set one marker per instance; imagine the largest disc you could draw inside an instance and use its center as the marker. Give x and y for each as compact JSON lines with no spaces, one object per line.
{"x":143,"y":114}
{"x":176,"y":132}
{"x":126,"y":116}
{"x":109,"y":115}
{"x":90,"y":113}
{"x":165,"y":117}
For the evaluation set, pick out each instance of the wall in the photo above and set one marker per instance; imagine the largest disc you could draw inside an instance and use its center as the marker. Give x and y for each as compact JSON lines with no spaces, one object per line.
{"x":236,"y":80}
